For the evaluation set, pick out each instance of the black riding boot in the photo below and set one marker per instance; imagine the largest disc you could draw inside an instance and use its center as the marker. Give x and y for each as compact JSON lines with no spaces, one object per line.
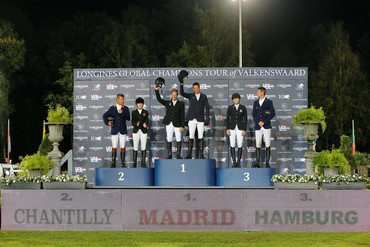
{"x":232,"y":152}
{"x":268,"y":153}
{"x":135,"y":159}
{"x":169,"y":150}
{"x":143,"y":158}
{"x":258,"y":159}
{"x":179,"y":144}
{"x":123,"y":157}
{"x":240,"y":154}
{"x":201,"y":147}
{"x":190,"y":149}
{"x":114,"y":156}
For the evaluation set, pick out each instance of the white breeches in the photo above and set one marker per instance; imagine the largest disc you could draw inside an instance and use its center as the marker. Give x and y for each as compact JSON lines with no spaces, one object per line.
{"x":194,"y":124}
{"x":139,"y":137}
{"x":170,"y":129}
{"x":266,"y":133}
{"x":121,"y":138}
{"x":236,"y":135}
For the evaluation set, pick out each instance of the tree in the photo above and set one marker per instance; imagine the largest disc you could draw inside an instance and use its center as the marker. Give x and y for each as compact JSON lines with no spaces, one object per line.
{"x":214,"y":42}
{"x":336,"y":85}
{"x":12,"y":50}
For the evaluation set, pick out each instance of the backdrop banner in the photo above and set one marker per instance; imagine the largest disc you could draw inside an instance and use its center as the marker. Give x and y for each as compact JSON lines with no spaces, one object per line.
{"x":95,"y":91}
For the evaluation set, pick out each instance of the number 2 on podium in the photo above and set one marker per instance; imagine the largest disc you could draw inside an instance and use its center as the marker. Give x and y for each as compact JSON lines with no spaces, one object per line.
{"x":183,"y":168}
{"x":121,"y":176}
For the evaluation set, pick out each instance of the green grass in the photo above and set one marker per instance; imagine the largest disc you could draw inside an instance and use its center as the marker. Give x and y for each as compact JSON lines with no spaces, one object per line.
{"x":213,"y":239}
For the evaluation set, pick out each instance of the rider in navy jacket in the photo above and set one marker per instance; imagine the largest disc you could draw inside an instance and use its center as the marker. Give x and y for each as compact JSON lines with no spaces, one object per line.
{"x":120,"y":119}
{"x":263,"y":113}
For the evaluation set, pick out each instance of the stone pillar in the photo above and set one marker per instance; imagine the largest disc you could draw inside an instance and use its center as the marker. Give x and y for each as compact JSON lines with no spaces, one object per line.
{"x":56,"y":136}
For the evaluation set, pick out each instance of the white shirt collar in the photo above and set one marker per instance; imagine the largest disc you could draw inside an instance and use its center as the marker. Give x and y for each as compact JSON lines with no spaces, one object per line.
{"x":119,"y":107}
{"x":198,"y":96}
{"x":174,"y":102}
{"x":140,"y":110}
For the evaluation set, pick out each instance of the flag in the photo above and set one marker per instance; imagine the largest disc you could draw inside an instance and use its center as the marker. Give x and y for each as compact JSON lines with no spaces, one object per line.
{"x":43,"y":130}
{"x":353,"y":141}
{"x":9,"y":143}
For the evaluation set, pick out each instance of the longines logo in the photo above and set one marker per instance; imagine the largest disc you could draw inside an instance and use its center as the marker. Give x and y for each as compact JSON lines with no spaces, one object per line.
{"x":157,"y":107}
{"x":284,"y":138}
{"x":81,"y":86}
{"x":95,"y":148}
{"x":80,"y":138}
{"x":156,"y":149}
{"x":284,"y":159}
{"x":80,"y":158}
{"x":110,"y":96}
{"x":284,"y":85}
{"x":252,"y":85}
{"x":127,"y":86}
{"x":96,"y":127}
{"x":284,"y":117}
{"x":224,"y":138}
{"x":300,"y":149}
{"x":81,"y":117}
{"x":300,"y":107}
{"x":156,"y":128}
{"x":220,"y":107}
{"x":96,"y":107}
{"x":221,"y":86}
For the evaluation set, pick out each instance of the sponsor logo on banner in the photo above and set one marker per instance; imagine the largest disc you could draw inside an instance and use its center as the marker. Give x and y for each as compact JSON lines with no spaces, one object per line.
{"x":300,"y":149}
{"x":300,"y":107}
{"x":157,"y":117}
{"x":302,"y":160}
{"x":205,"y":86}
{"x":81,"y":107}
{"x":79,"y":158}
{"x":96,"y":107}
{"x":112,"y":96}
{"x":79,"y":169}
{"x":95,"y":148}
{"x":96,"y":87}
{"x":207,"y":128}
{"x":252,"y":96}
{"x":129,"y":138}
{"x":156,"y":158}
{"x":284,"y":159}
{"x":144,"y":85}
{"x":223,"y":138}
{"x":157,"y":107}
{"x":157,"y":148}
{"x":80,"y":138}
{"x":252,"y":85}
{"x":81,"y":86}
{"x":222,"y":160}
{"x":96,"y":127}
{"x":284,"y":85}
{"x":80,"y":126}
{"x":284,"y":128}
{"x":174,"y":149}
{"x":284,"y":96}
{"x":81,"y":149}
{"x":220,"y":117}
{"x":251,"y":149}
{"x":127,"y":86}
{"x":268,"y":86}
{"x":111,"y":86}
{"x":108,"y":149}
{"x":299,"y":86}
{"x":96,"y":97}
{"x":95,"y":159}
{"x":220,"y":107}
{"x":284,"y":138}
{"x":284,"y":107}
{"x":284,"y":148}
{"x":284,"y":117}
{"x":81,"y":117}
{"x":236,"y":84}
{"x":220,"y":86}
{"x":95,"y":138}
{"x":82,"y":97}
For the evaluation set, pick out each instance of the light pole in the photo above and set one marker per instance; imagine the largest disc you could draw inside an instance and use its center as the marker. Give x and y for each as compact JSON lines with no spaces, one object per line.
{"x":240,"y":34}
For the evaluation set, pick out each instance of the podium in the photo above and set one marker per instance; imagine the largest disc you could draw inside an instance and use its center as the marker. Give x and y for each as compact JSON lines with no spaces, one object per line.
{"x":124,"y":177}
{"x":194,"y":172}
{"x":246,"y":177}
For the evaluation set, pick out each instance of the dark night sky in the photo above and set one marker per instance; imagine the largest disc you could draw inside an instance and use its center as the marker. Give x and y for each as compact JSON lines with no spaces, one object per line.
{"x":286,"y":22}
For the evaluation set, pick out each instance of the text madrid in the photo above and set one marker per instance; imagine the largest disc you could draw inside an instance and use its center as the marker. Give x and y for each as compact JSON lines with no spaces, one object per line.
{"x":194,"y":72}
{"x":185,"y":217}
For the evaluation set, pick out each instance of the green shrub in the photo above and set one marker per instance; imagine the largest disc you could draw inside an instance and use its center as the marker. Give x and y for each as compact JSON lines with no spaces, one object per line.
{"x":331,"y":159}
{"x":46,"y":146}
{"x":345,"y":149}
{"x":310,"y":115}
{"x":35,"y":162}
{"x":59,"y":113}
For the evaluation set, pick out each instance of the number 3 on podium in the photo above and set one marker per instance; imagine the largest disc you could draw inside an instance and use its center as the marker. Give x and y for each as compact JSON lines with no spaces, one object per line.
{"x":246,"y":176}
